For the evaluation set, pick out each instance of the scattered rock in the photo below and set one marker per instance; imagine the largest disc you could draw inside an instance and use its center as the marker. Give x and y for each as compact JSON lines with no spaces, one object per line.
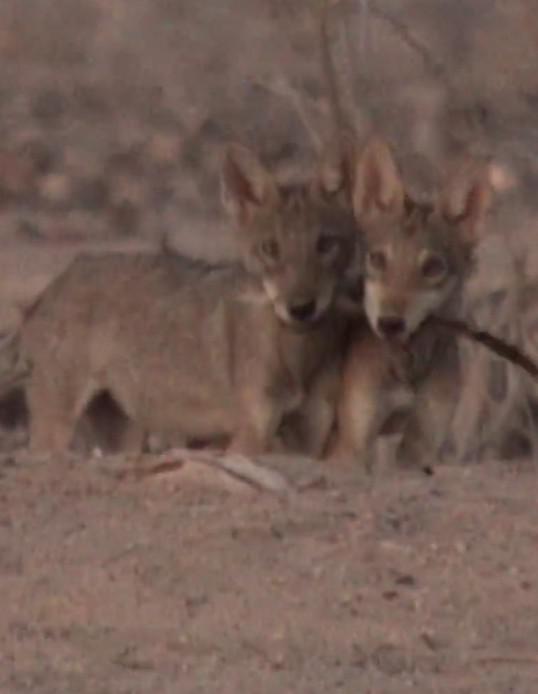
{"x":390,"y":659}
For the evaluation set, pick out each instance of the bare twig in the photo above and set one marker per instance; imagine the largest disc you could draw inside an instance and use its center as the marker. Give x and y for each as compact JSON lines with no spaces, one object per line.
{"x":347,"y":119}
{"x":467,"y":418}
{"x":282,"y":88}
{"x":339,"y":122}
{"x":498,"y":346}
{"x":237,"y":466}
{"x":507,"y":659}
{"x":364,"y":31}
{"x":436,"y":68}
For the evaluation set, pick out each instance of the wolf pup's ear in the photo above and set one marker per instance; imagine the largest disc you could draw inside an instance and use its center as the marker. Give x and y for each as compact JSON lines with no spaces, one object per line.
{"x":246,"y":185}
{"x":377,"y":184}
{"x":465,"y":203}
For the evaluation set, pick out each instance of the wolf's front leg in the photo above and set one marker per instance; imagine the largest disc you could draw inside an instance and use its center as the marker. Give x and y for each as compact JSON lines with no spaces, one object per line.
{"x":362,"y":400}
{"x":261,"y":410}
{"x":311,"y":425}
{"x":429,"y":423}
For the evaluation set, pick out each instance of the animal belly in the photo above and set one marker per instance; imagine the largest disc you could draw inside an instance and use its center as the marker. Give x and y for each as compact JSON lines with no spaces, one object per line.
{"x":188,"y":414}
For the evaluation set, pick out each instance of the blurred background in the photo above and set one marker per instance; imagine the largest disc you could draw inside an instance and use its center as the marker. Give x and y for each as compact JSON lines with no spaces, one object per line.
{"x":113,"y":114}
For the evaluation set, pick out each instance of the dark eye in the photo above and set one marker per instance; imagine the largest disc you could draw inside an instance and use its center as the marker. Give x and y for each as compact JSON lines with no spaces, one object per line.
{"x":377,"y":260}
{"x":433,"y":267}
{"x":327,"y":244}
{"x":269,"y":249}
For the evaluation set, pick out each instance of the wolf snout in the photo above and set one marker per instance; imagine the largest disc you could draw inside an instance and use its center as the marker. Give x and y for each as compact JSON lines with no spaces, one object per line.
{"x":304,"y":311}
{"x":391,"y":327}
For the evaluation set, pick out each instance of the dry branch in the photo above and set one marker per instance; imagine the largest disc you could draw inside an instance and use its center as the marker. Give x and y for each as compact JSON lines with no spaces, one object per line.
{"x":436,"y":68}
{"x":507,"y":660}
{"x":237,"y":466}
{"x":498,"y":346}
{"x":284,"y":89}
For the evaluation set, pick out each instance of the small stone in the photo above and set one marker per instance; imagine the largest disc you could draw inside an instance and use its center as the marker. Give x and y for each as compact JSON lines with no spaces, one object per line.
{"x":406,"y":580}
{"x":390,"y":659}
{"x":431,"y":641}
{"x":390,"y":595}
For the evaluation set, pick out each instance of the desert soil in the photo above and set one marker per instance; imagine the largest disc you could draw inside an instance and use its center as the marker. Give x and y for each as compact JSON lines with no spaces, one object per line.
{"x":178,"y":583}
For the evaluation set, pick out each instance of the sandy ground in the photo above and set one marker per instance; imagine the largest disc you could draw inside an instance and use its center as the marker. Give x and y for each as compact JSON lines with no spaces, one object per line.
{"x":178,"y":584}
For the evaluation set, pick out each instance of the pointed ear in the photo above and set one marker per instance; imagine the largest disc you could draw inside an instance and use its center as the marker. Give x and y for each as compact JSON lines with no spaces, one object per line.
{"x":377,"y":184}
{"x":245,"y":183}
{"x":468,"y":209}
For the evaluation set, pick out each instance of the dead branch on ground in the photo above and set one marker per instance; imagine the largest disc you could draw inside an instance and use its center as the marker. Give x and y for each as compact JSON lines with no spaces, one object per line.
{"x":237,"y":466}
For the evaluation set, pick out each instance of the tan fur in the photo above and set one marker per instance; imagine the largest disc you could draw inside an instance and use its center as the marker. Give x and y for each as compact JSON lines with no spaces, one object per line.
{"x":417,"y":260}
{"x":202,"y":351}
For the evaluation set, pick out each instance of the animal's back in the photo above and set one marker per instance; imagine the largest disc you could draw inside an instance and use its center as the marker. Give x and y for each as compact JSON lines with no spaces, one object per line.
{"x":111,"y":281}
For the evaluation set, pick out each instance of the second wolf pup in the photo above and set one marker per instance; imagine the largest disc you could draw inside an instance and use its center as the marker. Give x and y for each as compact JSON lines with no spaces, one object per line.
{"x":418,"y":258}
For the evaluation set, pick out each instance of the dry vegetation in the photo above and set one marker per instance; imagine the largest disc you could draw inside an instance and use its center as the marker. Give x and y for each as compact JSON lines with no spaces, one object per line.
{"x":112,"y":115}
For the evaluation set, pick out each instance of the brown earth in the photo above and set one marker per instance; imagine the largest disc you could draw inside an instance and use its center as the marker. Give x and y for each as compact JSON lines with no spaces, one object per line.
{"x":176,"y":584}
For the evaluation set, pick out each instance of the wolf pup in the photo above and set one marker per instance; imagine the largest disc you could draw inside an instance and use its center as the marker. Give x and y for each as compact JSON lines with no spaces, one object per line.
{"x":418,"y":258}
{"x":201,"y":351}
